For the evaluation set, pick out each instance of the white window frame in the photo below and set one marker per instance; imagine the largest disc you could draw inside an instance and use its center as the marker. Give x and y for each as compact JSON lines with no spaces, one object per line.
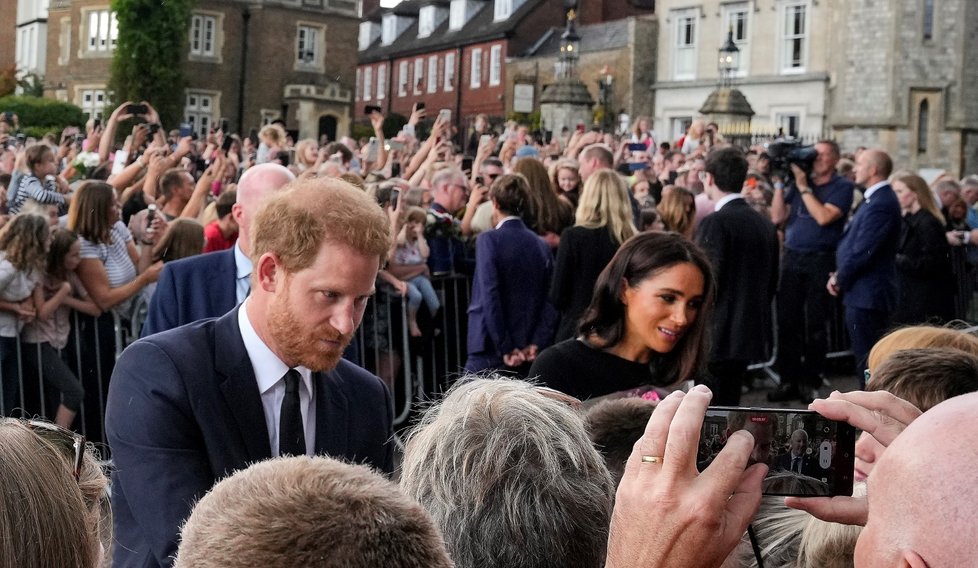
{"x":685,"y":45}
{"x":101,"y":31}
{"x":785,"y":39}
{"x":679,"y":125}
{"x":502,"y":9}
{"x":200,"y":110}
{"x":418,"y":75}
{"x":782,"y":119}
{"x":433,"y":74}
{"x":309,"y":45}
{"x":388,"y":30}
{"x":200,"y":44}
{"x":357,"y":94}
{"x":495,"y":65}
{"x":368,"y":82}
{"x":448,"y":83}
{"x":381,"y":81}
{"x":730,"y":18}
{"x":402,"y":78}
{"x":426,"y":20}
{"x":456,"y":14}
{"x":475,"y":68}
{"x":92,"y":99}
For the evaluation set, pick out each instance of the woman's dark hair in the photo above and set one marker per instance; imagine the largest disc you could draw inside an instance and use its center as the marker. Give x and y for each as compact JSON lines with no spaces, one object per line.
{"x":511,"y":194}
{"x":639,"y":258}
{"x":88,"y":214}
{"x":60,"y":245}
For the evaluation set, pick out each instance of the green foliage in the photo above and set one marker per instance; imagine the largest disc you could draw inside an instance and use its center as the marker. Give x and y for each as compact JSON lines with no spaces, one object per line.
{"x":148,"y":60}
{"x":361,"y":129}
{"x":31,"y":85}
{"x":531,"y":120}
{"x":393,"y":124}
{"x":39,"y":116}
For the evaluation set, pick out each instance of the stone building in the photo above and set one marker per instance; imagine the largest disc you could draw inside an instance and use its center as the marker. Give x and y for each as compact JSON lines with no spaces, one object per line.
{"x":623,"y":49}
{"x":247,"y":62}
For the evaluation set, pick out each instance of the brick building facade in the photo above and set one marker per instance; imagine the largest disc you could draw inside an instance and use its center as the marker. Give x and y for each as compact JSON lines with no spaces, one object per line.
{"x":246,"y":62}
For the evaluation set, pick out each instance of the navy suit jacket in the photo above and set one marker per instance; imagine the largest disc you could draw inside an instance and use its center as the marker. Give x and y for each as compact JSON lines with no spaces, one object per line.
{"x":866,"y":257}
{"x":191,"y":289}
{"x":510,"y":308}
{"x":184,"y":411}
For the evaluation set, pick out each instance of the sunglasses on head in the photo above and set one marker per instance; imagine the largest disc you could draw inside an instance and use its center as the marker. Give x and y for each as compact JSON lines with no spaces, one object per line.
{"x":70,"y":443}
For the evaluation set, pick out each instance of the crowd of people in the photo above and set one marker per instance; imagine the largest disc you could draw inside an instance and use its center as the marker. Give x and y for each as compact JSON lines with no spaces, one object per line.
{"x":614,"y":272}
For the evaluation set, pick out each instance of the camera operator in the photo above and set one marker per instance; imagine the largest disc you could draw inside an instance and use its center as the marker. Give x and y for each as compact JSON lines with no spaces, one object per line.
{"x":814,"y":206}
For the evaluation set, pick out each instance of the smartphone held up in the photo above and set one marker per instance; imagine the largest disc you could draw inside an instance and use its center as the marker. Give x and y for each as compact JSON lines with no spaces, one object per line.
{"x":806,"y":453}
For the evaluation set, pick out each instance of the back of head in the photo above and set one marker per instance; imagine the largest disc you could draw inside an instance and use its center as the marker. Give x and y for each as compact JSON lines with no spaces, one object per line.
{"x":183,"y":238}
{"x":510,"y":477}
{"x":302,"y":511}
{"x":604,"y":203}
{"x":333,"y":148}
{"x":920,"y":337}
{"x":170,"y":180}
{"x":46,"y":517}
{"x":600,"y":152}
{"x":296,"y":222}
{"x":922,"y":492}
{"x":926,"y":377}
{"x":225,"y":202}
{"x":258,"y":182}
{"x":615,"y":425}
{"x":510,"y":194}
{"x":678,"y":209}
{"x":728,"y":166}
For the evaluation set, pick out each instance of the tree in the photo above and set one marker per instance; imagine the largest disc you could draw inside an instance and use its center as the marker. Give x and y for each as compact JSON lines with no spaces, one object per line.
{"x":148,"y":60}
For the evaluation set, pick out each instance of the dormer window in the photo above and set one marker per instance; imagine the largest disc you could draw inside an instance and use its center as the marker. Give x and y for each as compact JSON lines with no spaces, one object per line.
{"x":426,"y":21}
{"x":389,"y":32}
{"x":460,"y":12}
{"x":505,"y":8}
{"x":369,"y":32}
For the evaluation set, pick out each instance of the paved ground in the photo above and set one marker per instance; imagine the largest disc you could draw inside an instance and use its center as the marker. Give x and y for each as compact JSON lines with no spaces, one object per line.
{"x":839,"y":378}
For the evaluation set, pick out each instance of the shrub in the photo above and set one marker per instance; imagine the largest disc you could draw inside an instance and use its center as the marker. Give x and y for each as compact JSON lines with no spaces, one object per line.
{"x":39,"y":116}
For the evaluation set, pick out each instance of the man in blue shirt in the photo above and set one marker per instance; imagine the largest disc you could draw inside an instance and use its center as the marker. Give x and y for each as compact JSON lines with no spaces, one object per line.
{"x":815,"y":207}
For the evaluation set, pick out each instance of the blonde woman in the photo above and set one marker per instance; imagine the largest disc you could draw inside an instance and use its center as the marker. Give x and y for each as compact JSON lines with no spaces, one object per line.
{"x":925,"y":284}
{"x":603,"y":222}
{"x":678,"y":210}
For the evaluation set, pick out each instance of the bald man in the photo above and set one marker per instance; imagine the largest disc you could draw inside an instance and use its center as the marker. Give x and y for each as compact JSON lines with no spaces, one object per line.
{"x":211,"y":285}
{"x":865,"y":260}
{"x":922,"y":494}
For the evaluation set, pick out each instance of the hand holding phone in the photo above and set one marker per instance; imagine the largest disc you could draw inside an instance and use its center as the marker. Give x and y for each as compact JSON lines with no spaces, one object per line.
{"x":136,"y":109}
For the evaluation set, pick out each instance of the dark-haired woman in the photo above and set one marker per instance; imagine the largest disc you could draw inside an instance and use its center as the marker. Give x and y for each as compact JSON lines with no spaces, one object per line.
{"x":646,"y":325}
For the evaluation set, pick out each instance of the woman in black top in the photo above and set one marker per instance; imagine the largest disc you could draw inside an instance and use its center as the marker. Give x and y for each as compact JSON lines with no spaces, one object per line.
{"x":646,"y":325}
{"x":602,"y":223}
{"x":924,"y":280}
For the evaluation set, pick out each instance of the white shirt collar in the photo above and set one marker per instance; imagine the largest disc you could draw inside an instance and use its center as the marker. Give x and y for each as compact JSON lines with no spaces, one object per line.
{"x":242,"y":263}
{"x":872,"y":189}
{"x":268,"y":368}
{"x":504,"y":219}
{"x":726,"y":199}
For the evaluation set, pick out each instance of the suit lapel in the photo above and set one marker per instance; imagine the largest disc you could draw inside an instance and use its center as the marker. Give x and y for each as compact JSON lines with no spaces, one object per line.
{"x":332,"y":411}
{"x":239,"y":386}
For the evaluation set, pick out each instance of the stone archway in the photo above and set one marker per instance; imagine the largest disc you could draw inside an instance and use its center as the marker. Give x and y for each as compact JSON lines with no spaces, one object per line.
{"x":327,"y":127}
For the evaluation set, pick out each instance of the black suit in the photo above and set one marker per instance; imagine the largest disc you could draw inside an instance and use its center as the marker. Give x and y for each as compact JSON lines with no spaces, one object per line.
{"x":809,"y":466}
{"x":184,"y":411}
{"x":743,"y":249}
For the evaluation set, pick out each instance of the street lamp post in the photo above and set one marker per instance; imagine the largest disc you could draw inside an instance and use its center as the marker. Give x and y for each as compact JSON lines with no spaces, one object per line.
{"x":729,"y":60}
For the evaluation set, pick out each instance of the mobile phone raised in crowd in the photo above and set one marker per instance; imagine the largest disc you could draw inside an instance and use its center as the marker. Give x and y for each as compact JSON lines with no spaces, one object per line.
{"x":467,"y":164}
{"x":226,"y":145}
{"x":137,"y":109}
{"x":395,"y":194}
{"x":370,"y":109}
{"x":419,"y":105}
{"x":637,"y":147}
{"x":636,"y":166}
{"x":485,"y":139}
{"x":445,"y":115}
{"x":806,"y":454}
{"x":373,"y":149}
{"x":185,"y":129}
{"x":97,"y":123}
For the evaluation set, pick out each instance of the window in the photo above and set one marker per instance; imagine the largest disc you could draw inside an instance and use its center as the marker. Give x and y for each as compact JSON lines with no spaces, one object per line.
{"x":495,"y":65}
{"x":426,"y":21}
{"x":388,"y":32}
{"x":457,"y":14}
{"x":793,"y":47}
{"x":402,"y":78}
{"x":680,"y":125}
{"x":357,"y":94}
{"x":449,"y":72}
{"x":199,"y":112}
{"x":685,"y":45}
{"x":475,"y":81}
{"x":381,"y":81}
{"x":307,"y":45}
{"x":202,"y":35}
{"x":928,"y":20}
{"x":103,"y":31}
{"x":788,"y":124}
{"x":92,"y":102}
{"x":736,"y":20}
{"x":418,"y":75}
{"x":503,"y":9}
{"x":369,"y":31}
{"x":433,"y":74}
{"x":923,"y":124}
{"x":368,"y":82}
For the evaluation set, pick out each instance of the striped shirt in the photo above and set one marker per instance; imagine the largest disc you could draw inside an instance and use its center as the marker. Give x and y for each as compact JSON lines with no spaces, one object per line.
{"x":31,"y":188}
{"x":115,"y":257}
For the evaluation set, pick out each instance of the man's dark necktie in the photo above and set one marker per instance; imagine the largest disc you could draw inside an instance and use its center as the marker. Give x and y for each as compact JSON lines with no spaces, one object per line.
{"x":291,"y":434}
{"x":796,"y":465}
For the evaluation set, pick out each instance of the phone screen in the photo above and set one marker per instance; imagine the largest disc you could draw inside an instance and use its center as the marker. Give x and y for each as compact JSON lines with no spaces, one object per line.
{"x":806,"y":453}
{"x":185,"y":129}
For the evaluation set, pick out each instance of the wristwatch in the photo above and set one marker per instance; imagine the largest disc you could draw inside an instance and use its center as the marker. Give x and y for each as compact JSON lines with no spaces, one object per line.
{"x":805,"y":191}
